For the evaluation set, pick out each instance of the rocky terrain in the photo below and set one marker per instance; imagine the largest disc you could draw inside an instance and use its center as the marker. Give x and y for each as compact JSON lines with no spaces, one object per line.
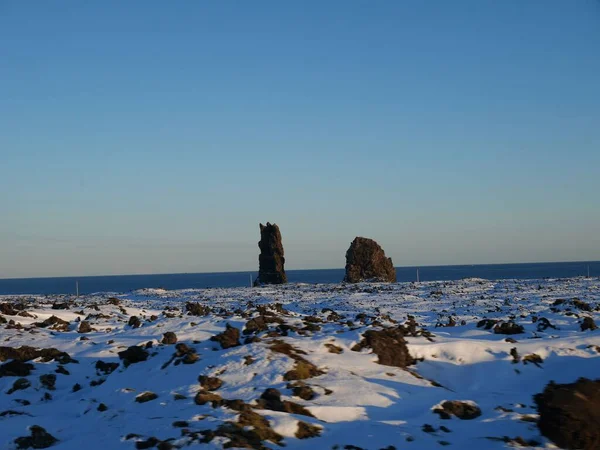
{"x":465,"y":364}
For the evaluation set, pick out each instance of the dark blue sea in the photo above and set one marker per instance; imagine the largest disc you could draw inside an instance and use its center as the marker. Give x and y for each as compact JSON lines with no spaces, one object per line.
{"x":126,"y":283}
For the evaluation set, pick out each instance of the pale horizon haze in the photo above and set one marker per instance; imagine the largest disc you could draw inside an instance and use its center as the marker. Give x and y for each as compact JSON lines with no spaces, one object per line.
{"x":146,"y":137}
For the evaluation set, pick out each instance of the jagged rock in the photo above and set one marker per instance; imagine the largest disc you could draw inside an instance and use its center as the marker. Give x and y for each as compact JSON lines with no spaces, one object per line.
{"x":54,"y":323}
{"x":19,"y":385}
{"x":134,"y":322}
{"x":169,"y":338}
{"x":8,"y":309}
{"x":588,"y":324}
{"x":196,"y":309}
{"x":16,"y":368}
{"x":570,"y":414}
{"x":366,"y":261}
{"x":389,"y":345}
{"x":271,"y":399}
{"x":462,"y":410}
{"x":48,"y":381}
{"x":84,"y":327}
{"x":508,"y":328}
{"x":106,"y":368}
{"x":228,"y":338}
{"x":306,"y":431}
{"x":256,"y":325}
{"x":210,"y":383}
{"x":39,"y":438}
{"x":133,"y":354}
{"x":271,"y":259}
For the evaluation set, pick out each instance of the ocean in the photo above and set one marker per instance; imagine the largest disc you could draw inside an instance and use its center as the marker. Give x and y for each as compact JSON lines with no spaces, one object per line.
{"x":126,"y":283}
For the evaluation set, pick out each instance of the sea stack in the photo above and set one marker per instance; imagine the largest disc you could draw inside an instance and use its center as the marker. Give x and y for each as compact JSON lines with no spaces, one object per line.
{"x":366,"y":261}
{"x":270,"y":260}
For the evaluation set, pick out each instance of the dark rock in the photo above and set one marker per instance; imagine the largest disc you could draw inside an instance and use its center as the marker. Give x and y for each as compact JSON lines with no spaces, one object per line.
{"x":271,"y":259}
{"x":366,"y":261}
{"x":134,"y":322}
{"x":84,"y":327}
{"x":54,"y":323}
{"x":106,"y":368}
{"x":16,"y":368}
{"x":271,"y":399}
{"x":570,"y":414}
{"x":48,"y":381}
{"x":76,"y":387}
{"x":39,"y":438}
{"x":487,"y":324}
{"x":389,"y":345}
{"x":102,"y":407}
{"x":302,"y":390}
{"x":133,"y":354}
{"x":62,"y":306}
{"x":588,"y":324}
{"x":580,"y":304}
{"x":204,"y":397}
{"x":19,"y":385}
{"x":228,"y":338}
{"x":508,"y":328}
{"x":169,"y":338}
{"x":25,"y":353}
{"x":210,"y":383}
{"x":196,"y":309}
{"x":146,"y":397}
{"x":256,"y":325}
{"x":306,"y":431}
{"x":8,"y":309}
{"x":462,"y":410}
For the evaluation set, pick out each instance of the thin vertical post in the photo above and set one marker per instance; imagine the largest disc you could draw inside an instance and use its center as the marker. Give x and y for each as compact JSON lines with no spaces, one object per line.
{"x":417,"y":275}
{"x":588,"y":270}
{"x":77,"y":287}
{"x":250,"y":280}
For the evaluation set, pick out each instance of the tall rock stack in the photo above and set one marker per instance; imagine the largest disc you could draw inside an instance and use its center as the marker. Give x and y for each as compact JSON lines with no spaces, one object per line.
{"x":366,"y":261}
{"x":270,"y":260}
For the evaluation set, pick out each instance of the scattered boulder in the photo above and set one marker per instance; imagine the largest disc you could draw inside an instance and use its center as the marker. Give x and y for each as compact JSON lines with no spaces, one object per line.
{"x":271,"y":399}
{"x":487,"y":324}
{"x":133,"y":354}
{"x":48,"y":381}
{"x":26,"y":353}
{"x":8,"y":309}
{"x":508,"y":328}
{"x":570,"y":414}
{"x":256,"y":325}
{"x":461,"y":410}
{"x":228,"y":338}
{"x":271,"y":259}
{"x":39,"y":438}
{"x":366,"y":261}
{"x":389,"y":345}
{"x":210,"y":383}
{"x":85,"y":327}
{"x":204,"y":397}
{"x":306,"y":431}
{"x":146,"y":397}
{"x":588,"y":324}
{"x":134,"y":322}
{"x":196,"y":309}
{"x":19,"y":385}
{"x":169,"y":338}
{"x":106,"y":368}
{"x":54,"y":323}
{"x":16,"y":368}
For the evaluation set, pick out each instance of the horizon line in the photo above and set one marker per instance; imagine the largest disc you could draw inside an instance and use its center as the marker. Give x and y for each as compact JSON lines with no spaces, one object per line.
{"x":287,"y":270}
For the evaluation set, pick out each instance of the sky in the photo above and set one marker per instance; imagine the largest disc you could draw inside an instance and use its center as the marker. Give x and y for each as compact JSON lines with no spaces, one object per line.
{"x":154,"y":137}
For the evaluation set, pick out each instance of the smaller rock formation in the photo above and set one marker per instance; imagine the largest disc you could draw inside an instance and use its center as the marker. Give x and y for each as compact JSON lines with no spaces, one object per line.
{"x":366,"y":261}
{"x":570,"y":414}
{"x":39,"y":438}
{"x":462,"y":410}
{"x":270,"y":260}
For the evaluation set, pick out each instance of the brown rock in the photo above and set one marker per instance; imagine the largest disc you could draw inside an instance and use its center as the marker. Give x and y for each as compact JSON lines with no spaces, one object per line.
{"x":271,"y":259}
{"x":134,"y":322}
{"x":228,"y":338}
{"x":146,"y":397}
{"x":84,"y":327}
{"x":588,"y":324}
{"x":169,"y":338}
{"x":508,"y":328}
{"x":196,"y":309}
{"x":389,"y":345}
{"x":54,"y":323}
{"x":306,"y":431}
{"x":210,"y":383}
{"x":366,"y":261}
{"x":133,"y":354}
{"x":570,"y":414}
{"x":48,"y":381}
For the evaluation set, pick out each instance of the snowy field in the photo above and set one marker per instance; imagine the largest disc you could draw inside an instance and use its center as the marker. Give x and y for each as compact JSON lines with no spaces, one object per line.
{"x":302,"y":341}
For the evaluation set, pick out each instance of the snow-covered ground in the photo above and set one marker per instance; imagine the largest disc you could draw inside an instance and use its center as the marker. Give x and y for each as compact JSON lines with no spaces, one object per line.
{"x":350,"y":401}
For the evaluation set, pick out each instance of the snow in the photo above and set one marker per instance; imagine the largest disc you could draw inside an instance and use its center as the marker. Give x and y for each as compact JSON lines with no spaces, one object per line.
{"x":358,"y":401}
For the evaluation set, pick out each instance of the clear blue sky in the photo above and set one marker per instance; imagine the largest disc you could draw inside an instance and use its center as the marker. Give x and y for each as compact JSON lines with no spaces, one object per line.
{"x":152,"y":136}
